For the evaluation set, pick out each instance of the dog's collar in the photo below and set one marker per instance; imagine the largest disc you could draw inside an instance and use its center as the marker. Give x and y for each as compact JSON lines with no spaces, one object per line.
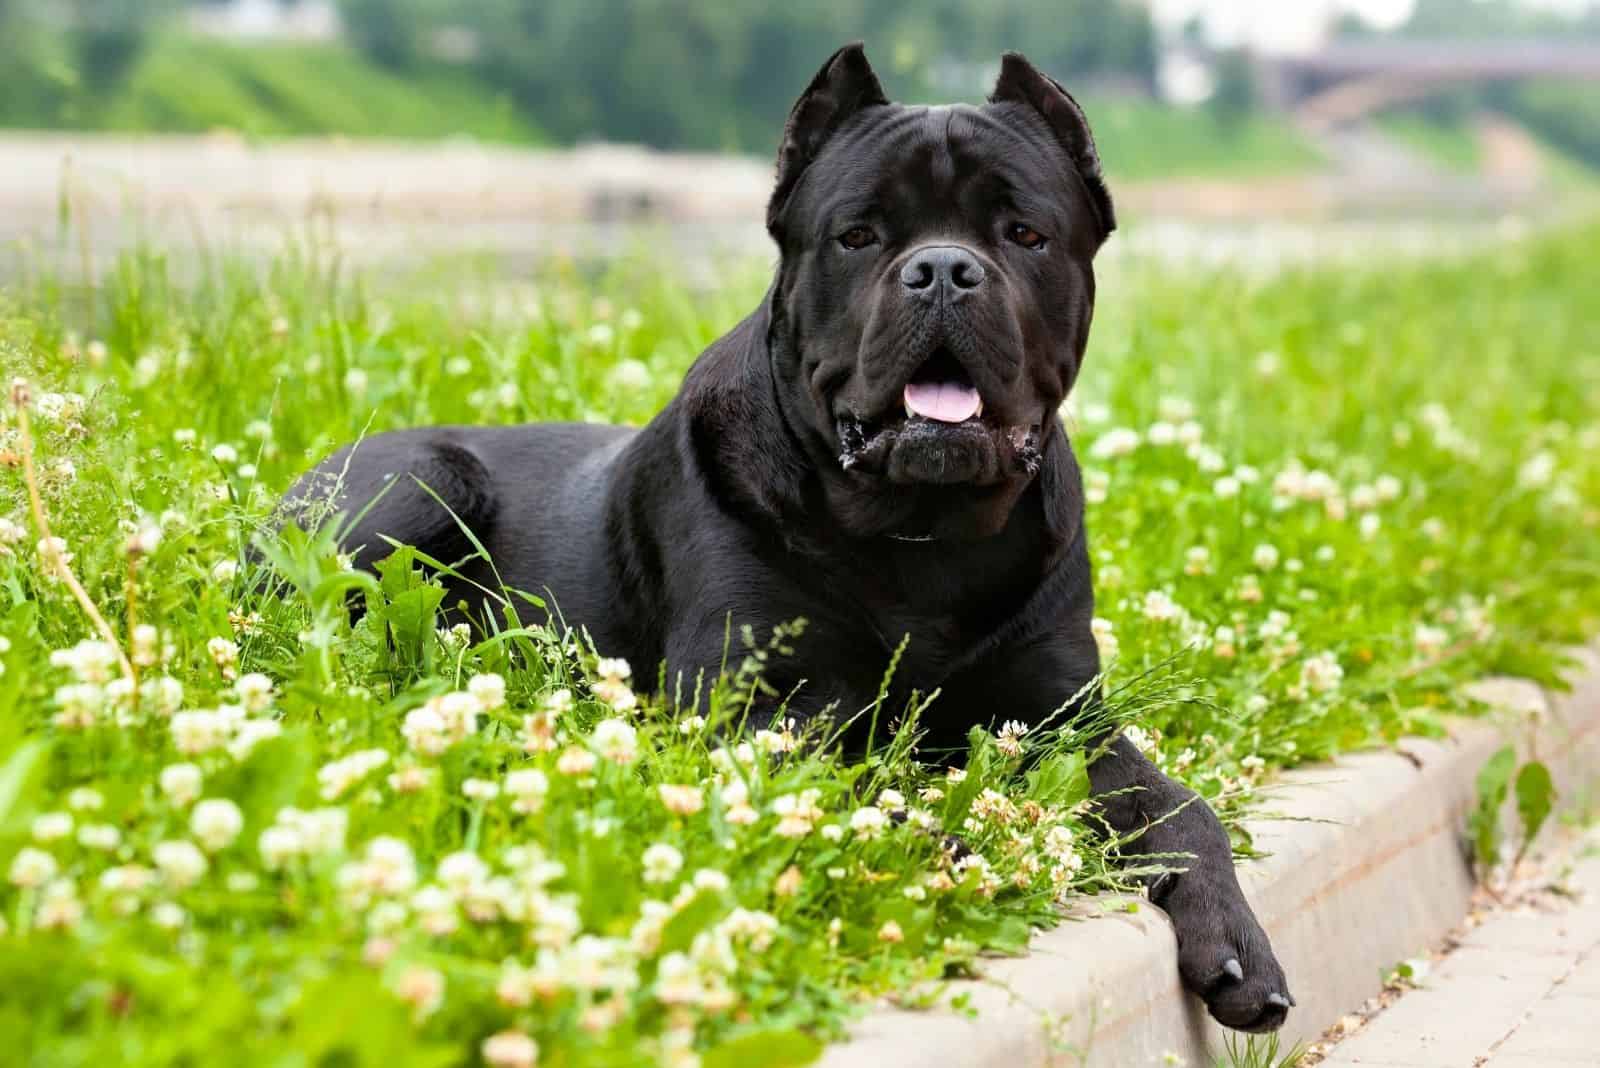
{"x":913,"y":537}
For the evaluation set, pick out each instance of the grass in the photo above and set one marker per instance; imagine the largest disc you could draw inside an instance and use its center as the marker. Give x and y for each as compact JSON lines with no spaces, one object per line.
{"x":1142,"y":139}
{"x":1452,"y":145}
{"x":1317,"y":503}
{"x":192,"y":85}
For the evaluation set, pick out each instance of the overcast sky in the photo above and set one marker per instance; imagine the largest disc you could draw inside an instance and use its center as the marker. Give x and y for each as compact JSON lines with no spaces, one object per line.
{"x":1293,"y":25}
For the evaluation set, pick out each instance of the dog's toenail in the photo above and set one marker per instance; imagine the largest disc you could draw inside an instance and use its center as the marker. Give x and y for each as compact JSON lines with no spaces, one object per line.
{"x":1279,"y":1000}
{"x":1232,"y":969}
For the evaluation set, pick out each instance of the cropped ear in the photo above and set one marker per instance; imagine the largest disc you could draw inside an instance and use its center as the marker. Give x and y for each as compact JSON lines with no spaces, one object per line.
{"x":1022,"y":83}
{"x":844,"y":86}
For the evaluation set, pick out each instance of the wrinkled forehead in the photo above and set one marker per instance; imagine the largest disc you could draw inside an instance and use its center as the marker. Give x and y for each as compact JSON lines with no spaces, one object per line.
{"x":937,"y":164}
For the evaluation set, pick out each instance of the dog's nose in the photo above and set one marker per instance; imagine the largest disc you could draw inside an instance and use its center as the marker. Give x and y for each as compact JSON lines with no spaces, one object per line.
{"x":941,"y":270}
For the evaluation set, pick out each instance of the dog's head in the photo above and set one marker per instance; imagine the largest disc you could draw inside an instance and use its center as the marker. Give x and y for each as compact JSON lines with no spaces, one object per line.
{"x":935,"y":289}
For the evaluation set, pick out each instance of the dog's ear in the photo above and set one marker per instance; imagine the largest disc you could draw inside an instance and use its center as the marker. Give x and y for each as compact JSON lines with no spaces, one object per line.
{"x":1021,"y":82}
{"x":844,"y":86}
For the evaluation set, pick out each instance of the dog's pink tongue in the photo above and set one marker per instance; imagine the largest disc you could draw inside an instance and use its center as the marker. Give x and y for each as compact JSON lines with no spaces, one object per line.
{"x":948,"y":402}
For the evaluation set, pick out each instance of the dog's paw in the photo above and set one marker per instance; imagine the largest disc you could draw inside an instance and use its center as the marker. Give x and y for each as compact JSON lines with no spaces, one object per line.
{"x":1224,"y":955}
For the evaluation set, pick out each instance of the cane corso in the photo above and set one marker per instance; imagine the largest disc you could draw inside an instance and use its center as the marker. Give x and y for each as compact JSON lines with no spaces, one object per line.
{"x":876,"y":449}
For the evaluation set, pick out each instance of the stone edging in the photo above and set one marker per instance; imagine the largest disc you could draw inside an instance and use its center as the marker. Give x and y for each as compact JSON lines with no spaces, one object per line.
{"x":1366,"y":866}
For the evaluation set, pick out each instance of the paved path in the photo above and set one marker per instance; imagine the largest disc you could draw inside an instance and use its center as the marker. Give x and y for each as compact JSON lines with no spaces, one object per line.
{"x":1522,"y":990}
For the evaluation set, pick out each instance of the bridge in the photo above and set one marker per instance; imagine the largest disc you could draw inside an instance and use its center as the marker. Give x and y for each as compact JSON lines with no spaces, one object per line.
{"x":1348,"y":80}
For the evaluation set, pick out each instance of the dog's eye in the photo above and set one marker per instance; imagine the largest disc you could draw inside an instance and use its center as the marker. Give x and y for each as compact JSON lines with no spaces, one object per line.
{"x":1026,"y":236}
{"x":858,"y":237}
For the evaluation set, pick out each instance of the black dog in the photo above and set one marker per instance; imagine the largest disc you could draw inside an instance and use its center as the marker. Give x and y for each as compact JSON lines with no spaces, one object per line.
{"x":876,"y":449}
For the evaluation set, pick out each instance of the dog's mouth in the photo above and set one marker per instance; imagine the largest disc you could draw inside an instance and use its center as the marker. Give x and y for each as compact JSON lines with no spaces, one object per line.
{"x":939,"y":434}
{"x":942,"y":391}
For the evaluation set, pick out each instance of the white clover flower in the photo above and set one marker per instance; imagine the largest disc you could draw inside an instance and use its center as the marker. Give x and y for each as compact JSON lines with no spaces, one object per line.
{"x":254,"y":690}
{"x":279,"y":845}
{"x":1430,"y":641}
{"x":86,"y":799}
{"x":1119,"y":441}
{"x":662,"y":863}
{"x":510,"y":1049}
{"x":612,"y":668}
{"x":225,"y":654}
{"x":338,"y":777}
{"x":216,"y":822}
{"x":90,"y":660}
{"x":436,"y":910}
{"x":679,"y":799}
{"x":389,"y":867}
{"x":11,"y":532}
{"x":1139,"y":738}
{"x":1160,"y":608}
{"x":180,"y":862}
{"x":615,"y":740}
{"x":891,"y":932}
{"x":459,"y":711}
{"x":422,"y":988}
{"x":1009,"y":739}
{"x":1096,"y":486}
{"x":754,"y":928}
{"x":616,"y":693}
{"x":781,"y":741}
{"x":1196,"y":560}
{"x":868,"y":821}
{"x":251,"y":733}
{"x":710,"y":879}
{"x":225,"y":454}
{"x":575,"y":762}
{"x":162,"y":694}
{"x":527,"y":787}
{"x":355,"y":380}
{"x":322,"y":830}
{"x":1321,"y":673}
{"x":462,"y":870}
{"x":1226,"y":487}
{"x":59,"y":908}
{"x":52,"y":826}
{"x":424,"y":731}
{"x":53,"y":556}
{"x":1370,"y":523}
{"x":489,"y":690}
{"x":181,"y":782}
{"x":145,"y":540}
{"x":480,"y":789}
{"x":1388,"y":488}
{"x":1105,"y":638}
{"x":629,"y":376}
{"x":1265,"y":557}
{"x":1537,"y":471}
{"x":79,"y":705}
{"x":32,"y":868}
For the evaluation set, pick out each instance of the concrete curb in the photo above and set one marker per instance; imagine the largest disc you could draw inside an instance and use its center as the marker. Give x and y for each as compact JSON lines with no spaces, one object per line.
{"x":1366,"y":867}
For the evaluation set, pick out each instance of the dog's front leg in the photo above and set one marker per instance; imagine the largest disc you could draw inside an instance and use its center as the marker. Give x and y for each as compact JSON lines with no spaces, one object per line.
{"x":1223,"y":954}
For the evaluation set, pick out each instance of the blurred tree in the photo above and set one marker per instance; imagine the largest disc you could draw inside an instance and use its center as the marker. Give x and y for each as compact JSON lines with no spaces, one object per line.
{"x":684,"y":73}
{"x":392,"y":32}
{"x":107,"y":37}
{"x":1234,"y":99}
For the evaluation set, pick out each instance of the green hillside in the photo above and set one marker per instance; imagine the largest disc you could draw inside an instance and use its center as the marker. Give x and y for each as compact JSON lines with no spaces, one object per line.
{"x":189,"y":85}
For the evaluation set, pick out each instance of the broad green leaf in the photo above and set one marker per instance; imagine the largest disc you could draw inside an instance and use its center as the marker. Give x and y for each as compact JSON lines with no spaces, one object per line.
{"x":770,"y":1049}
{"x":1536,"y":794}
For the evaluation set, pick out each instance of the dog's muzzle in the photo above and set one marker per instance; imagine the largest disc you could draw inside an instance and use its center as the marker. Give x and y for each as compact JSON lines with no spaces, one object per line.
{"x":917,"y":450}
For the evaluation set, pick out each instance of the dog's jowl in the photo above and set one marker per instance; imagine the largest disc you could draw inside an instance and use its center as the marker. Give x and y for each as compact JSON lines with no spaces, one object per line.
{"x":875,"y":449}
